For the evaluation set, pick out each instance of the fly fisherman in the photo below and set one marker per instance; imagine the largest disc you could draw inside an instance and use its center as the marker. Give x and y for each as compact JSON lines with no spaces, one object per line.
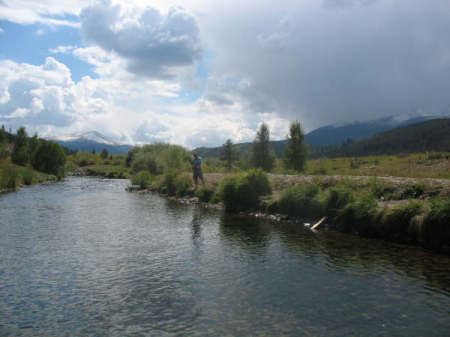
{"x":197,"y":169}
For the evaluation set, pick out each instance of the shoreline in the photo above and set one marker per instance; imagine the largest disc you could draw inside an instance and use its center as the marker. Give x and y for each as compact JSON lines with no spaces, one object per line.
{"x":381,"y":223}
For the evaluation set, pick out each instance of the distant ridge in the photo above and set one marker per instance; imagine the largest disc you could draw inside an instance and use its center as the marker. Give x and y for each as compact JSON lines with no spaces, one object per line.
{"x":428,"y":136}
{"x":92,"y":141}
{"x":329,"y":139}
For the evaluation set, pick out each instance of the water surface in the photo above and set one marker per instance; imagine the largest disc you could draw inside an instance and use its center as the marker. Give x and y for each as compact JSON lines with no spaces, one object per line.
{"x":84,"y":257}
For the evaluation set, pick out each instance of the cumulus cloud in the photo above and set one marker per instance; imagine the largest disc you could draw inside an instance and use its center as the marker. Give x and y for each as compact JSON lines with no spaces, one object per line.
{"x":36,"y":94}
{"x":49,"y":12}
{"x":154,"y":44}
{"x":332,"y":61}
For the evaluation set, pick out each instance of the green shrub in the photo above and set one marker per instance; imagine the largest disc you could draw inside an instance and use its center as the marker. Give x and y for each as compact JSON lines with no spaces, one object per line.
{"x":336,"y":199}
{"x":413,"y":191}
{"x":183,"y":184}
{"x":143,"y":179}
{"x":204,"y":193}
{"x":397,"y":220}
{"x":167,"y":185}
{"x":28,"y":176}
{"x":241,"y":192}
{"x":301,"y":201}
{"x":9,"y":178}
{"x":375,"y":187}
{"x":436,"y":232}
{"x":147,"y":162}
{"x":215,"y":199}
{"x":356,"y":216}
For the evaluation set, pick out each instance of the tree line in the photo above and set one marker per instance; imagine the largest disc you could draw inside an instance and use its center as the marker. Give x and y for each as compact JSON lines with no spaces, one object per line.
{"x":42,"y":155}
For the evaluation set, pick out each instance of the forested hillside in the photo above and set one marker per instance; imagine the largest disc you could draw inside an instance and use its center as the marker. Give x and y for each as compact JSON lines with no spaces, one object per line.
{"x":433,"y":135}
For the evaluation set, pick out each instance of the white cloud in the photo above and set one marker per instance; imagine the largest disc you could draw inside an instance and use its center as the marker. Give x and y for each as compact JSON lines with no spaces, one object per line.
{"x":49,"y":12}
{"x":62,"y":49}
{"x":119,"y":104}
{"x":153,"y":44}
{"x":1,"y":31}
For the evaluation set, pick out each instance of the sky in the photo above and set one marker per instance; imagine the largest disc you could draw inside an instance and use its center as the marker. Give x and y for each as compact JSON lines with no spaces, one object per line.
{"x":196,"y":73}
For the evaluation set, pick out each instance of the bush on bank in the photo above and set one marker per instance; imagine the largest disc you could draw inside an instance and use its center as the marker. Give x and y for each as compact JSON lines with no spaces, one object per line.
{"x":242,"y":191}
{"x":357,"y":215}
{"x":436,"y":230}
{"x":395,"y":224}
{"x":301,"y":201}
{"x":205,"y":194}
{"x":143,"y":179}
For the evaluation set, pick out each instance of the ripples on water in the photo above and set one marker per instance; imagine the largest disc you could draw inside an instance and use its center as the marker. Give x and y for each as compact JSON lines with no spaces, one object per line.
{"x":84,"y":257}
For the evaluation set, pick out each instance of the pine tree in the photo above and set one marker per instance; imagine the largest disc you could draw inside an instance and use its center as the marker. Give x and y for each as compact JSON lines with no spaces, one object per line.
{"x":296,"y":151}
{"x":20,"y":154}
{"x":228,"y":155}
{"x":263,"y":155}
{"x":104,"y":154}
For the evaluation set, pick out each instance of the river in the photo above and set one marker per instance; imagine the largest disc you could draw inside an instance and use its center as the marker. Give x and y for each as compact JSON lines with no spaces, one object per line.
{"x":86,"y":258}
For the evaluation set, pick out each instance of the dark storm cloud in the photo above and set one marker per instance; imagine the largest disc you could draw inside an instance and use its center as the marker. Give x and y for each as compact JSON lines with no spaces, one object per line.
{"x":363,"y":60}
{"x":154,"y":44}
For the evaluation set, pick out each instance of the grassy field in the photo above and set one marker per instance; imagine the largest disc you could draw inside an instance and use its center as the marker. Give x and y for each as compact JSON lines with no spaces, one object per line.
{"x":431,"y":165}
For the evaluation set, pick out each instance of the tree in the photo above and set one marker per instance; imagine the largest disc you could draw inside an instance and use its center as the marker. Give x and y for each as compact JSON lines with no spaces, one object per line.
{"x":20,"y":154}
{"x":33,"y":144}
{"x":262,"y":154}
{"x":296,"y":151}
{"x":104,"y":154}
{"x":228,"y":155}
{"x":50,"y":158}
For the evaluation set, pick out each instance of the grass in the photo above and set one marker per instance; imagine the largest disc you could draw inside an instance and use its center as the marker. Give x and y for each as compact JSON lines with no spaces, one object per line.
{"x":436,"y":165}
{"x":13,"y":176}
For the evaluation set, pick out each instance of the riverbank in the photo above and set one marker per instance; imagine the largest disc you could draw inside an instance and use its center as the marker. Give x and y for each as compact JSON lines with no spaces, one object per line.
{"x":13,"y":177}
{"x":405,"y":210}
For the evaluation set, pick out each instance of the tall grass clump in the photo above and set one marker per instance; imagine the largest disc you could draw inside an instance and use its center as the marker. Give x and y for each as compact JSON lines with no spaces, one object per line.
{"x":9,"y":178}
{"x":175,"y":183}
{"x":301,"y":201}
{"x":28,"y":176}
{"x":396,"y":222}
{"x":183,"y":184}
{"x":167,"y":185}
{"x":143,"y":179}
{"x":337,"y":198}
{"x":436,"y":231}
{"x":357,"y":215}
{"x":242,"y":191}
{"x":204,"y":193}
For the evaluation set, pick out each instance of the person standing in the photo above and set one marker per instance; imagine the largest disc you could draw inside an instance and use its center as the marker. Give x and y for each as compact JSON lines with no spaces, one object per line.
{"x":197,"y":169}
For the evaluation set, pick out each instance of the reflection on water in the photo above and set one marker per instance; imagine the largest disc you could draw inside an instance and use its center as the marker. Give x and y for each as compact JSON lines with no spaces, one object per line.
{"x":84,"y":257}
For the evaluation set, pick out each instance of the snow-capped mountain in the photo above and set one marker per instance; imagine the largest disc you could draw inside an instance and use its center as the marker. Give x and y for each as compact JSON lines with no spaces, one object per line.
{"x":91,"y":141}
{"x":94,"y":136}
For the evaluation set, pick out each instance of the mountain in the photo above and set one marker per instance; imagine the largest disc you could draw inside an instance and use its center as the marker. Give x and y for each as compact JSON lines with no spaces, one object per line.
{"x":328,"y":136}
{"x":429,"y":136}
{"x":340,"y":133}
{"x":92,"y":141}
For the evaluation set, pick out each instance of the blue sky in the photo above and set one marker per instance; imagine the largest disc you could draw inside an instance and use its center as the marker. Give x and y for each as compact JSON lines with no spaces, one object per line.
{"x":196,"y":73}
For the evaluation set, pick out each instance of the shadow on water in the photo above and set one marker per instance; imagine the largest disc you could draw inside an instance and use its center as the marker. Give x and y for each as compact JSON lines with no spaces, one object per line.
{"x":245,"y":231}
{"x":340,"y":251}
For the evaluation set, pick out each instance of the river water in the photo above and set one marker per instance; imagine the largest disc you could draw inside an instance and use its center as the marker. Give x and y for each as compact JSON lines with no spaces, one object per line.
{"x":85,"y":258}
